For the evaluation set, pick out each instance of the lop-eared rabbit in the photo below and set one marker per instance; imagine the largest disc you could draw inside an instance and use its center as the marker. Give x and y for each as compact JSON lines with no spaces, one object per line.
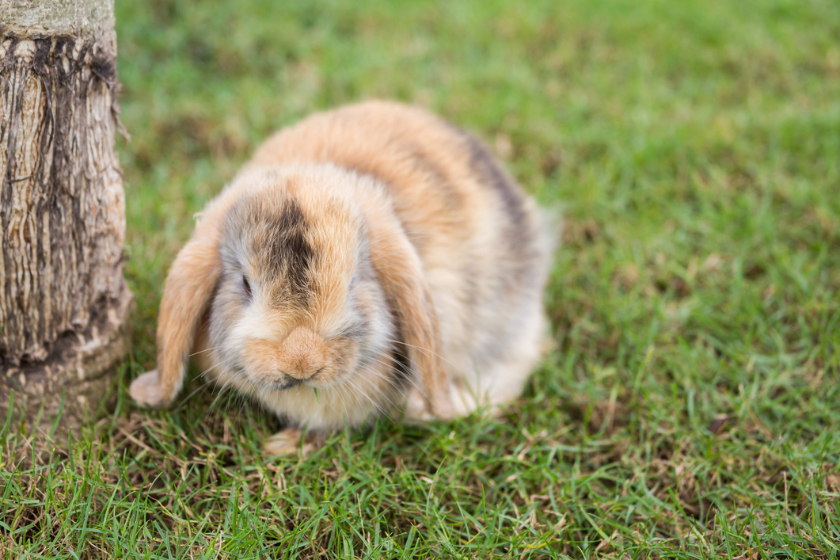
{"x":368,"y":260}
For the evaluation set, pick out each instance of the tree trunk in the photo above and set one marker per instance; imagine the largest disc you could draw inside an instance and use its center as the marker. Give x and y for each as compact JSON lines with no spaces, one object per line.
{"x":63,"y":299}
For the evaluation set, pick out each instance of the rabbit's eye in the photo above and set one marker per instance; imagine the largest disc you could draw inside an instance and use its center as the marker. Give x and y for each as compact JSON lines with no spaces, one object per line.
{"x":246,"y":285}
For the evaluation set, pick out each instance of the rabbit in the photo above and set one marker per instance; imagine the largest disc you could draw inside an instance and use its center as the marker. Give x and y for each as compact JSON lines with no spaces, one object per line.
{"x":368,"y":260}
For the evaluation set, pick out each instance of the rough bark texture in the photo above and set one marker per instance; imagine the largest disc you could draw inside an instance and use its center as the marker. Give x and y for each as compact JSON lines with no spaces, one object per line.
{"x":63,"y":299}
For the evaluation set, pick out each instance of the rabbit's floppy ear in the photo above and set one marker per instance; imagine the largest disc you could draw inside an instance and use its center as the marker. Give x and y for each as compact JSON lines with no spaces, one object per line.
{"x":186,"y":296}
{"x":401,"y":274}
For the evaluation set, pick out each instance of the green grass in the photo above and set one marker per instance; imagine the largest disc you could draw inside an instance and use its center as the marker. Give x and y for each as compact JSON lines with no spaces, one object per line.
{"x":692,"y":407}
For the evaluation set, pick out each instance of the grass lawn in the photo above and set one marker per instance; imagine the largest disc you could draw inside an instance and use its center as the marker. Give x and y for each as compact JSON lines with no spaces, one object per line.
{"x":691,"y":408}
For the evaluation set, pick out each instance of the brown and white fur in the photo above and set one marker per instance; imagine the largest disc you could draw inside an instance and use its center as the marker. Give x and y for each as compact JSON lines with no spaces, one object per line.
{"x":368,"y":259}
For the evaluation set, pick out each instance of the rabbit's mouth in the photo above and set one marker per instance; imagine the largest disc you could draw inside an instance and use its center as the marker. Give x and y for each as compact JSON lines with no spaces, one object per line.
{"x":286,"y":384}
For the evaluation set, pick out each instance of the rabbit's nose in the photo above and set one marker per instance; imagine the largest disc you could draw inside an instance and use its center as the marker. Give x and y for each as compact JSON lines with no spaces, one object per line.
{"x":302,"y":353}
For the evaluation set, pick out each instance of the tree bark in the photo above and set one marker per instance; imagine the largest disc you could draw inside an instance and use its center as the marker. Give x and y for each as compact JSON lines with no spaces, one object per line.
{"x":63,"y":299}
